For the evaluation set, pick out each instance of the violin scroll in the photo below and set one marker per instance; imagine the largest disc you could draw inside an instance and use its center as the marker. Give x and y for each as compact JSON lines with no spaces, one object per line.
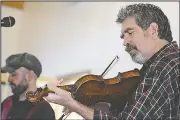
{"x":35,"y":97}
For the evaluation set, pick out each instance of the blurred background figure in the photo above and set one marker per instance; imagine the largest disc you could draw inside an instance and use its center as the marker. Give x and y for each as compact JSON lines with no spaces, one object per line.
{"x":24,"y":69}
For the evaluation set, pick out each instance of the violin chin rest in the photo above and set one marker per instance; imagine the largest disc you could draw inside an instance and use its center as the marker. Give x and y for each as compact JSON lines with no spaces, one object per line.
{"x":103,"y":106}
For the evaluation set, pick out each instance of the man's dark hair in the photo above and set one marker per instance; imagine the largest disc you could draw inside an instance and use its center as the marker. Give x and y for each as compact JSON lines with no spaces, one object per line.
{"x":145,"y":14}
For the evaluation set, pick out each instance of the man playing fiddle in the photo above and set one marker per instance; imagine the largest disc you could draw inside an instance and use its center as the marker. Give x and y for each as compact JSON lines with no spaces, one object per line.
{"x":148,"y":39}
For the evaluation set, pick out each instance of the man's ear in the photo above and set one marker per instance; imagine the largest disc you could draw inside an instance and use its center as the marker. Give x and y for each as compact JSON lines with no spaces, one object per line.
{"x":154,"y":30}
{"x":30,"y":75}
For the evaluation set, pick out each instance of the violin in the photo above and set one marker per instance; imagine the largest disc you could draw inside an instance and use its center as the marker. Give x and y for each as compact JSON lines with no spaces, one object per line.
{"x":91,"y":89}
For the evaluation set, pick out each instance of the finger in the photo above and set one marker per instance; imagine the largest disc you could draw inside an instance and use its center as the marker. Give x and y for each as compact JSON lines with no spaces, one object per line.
{"x":59,"y":77}
{"x":60,"y":81}
{"x":52,"y":84}
{"x":66,"y":110}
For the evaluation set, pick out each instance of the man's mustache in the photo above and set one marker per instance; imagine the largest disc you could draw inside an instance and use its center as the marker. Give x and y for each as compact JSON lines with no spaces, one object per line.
{"x":12,"y":84}
{"x":130,"y":47}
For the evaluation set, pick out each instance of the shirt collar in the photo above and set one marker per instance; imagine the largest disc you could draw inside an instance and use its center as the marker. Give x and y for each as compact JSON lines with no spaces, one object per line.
{"x":164,"y":50}
{"x":161,"y":52}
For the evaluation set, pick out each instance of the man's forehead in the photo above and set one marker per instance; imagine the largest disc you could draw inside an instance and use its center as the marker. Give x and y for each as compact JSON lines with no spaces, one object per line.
{"x":18,"y":70}
{"x":128,"y":23}
{"x":124,"y":30}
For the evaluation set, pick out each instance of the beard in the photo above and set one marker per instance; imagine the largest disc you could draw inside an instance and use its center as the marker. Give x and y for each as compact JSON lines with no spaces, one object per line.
{"x":19,"y":89}
{"x":137,"y":57}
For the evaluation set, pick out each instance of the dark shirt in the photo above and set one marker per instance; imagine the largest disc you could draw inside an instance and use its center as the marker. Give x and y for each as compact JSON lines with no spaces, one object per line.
{"x":158,"y":95}
{"x":20,"y":110}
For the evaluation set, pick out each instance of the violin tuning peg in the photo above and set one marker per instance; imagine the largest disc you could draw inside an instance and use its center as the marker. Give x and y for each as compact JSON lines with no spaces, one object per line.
{"x":40,"y":89}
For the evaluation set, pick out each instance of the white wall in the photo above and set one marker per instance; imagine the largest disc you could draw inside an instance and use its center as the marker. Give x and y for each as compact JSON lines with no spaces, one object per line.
{"x":9,"y":41}
{"x":70,"y":37}
{"x":9,"y":38}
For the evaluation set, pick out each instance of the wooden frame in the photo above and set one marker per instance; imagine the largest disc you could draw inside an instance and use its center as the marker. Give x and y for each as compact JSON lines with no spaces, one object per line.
{"x":13,"y":4}
{"x":4,"y":77}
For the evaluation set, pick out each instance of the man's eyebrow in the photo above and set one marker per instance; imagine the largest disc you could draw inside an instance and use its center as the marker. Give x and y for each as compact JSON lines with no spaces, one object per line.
{"x":127,"y":29}
{"x":13,"y":72}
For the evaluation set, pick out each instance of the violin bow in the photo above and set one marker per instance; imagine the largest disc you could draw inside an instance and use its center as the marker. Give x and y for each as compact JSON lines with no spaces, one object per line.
{"x":110,"y":65}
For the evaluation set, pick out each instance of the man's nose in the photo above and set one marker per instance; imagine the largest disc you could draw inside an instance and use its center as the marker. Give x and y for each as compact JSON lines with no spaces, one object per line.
{"x":126,"y":40}
{"x":10,"y":79}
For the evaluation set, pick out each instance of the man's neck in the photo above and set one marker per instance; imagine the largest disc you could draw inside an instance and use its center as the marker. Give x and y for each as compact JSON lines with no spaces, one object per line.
{"x":159,"y":45}
{"x":22,"y":97}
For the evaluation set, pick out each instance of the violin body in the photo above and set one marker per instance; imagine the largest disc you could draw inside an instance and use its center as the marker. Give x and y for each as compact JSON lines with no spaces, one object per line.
{"x":91,"y":89}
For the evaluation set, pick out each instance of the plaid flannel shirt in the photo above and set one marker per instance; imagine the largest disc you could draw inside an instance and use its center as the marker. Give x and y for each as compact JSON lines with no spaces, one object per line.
{"x":158,"y":94}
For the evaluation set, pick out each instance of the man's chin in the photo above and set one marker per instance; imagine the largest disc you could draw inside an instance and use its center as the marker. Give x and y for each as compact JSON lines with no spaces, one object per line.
{"x":138,"y":58}
{"x":16,"y":92}
{"x":138,"y":62}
